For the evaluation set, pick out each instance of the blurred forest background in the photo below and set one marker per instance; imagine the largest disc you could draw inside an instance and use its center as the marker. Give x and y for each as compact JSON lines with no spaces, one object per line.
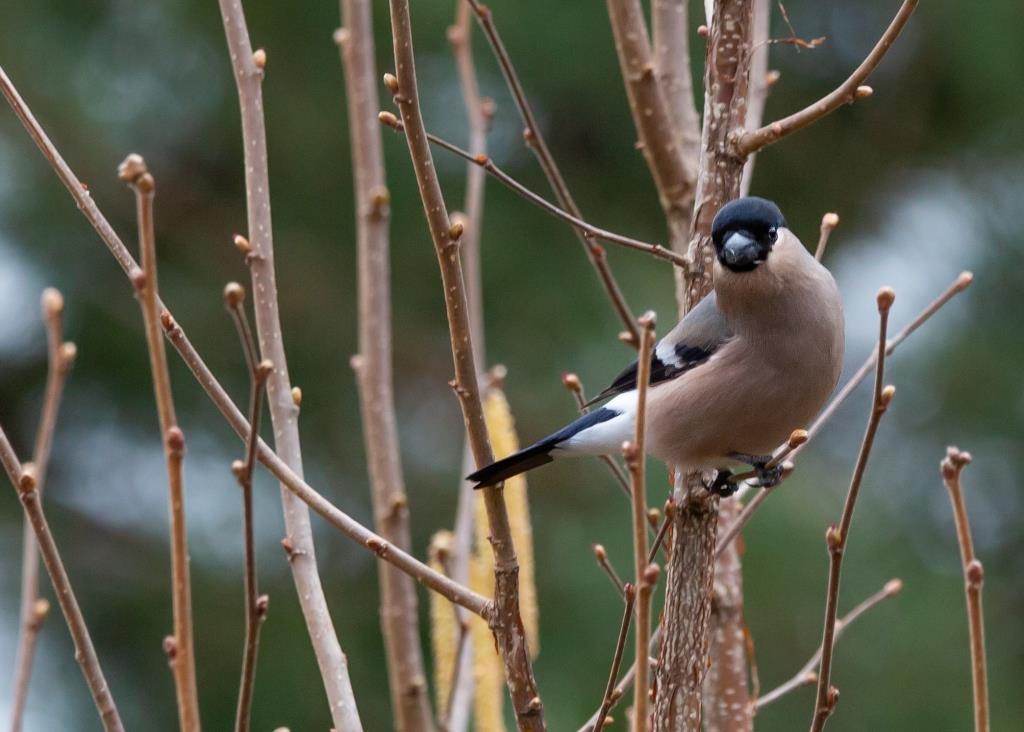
{"x":928,"y":177}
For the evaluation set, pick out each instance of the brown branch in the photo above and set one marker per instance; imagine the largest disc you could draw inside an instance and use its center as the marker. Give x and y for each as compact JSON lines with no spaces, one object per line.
{"x":674,"y":176}
{"x":683,"y":658}
{"x":248,"y":70}
{"x":828,"y":224}
{"x":807,"y":675}
{"x":836,"y":537}
{"x":670,"y":38}
{"x":535,"y":140}
{"x":961,"y":283}
{"x":24,"y":482}
{"x":629,"y":592}
{"x":624,"y":684}
{"x":60,"y":357}
{"x":761,"y":81}
{"x":589,"y":230}
{"x":399,"y":615}
{"x":255,"y":604}
{"x":974,"y":574}
{"x":133,"y":172}
{"x":635,"y":455}
{"x":746,"y":142}
{"x":505,"y":618}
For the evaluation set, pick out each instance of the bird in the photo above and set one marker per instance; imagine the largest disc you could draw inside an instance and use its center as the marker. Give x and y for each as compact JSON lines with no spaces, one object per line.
{"x":753,"y":361}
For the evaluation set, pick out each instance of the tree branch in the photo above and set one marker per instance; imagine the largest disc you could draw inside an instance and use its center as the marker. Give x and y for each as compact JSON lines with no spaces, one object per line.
{"x":255,"y":604}
{"x":974,"y":573}
{"x":644,"y":572}
{"x":747,"y":142}
{"x":133,"y":172}
{"x":399,"y":615}
{"x":60,"y":357}
{"x":505,"y":619}
{"x":609,"y":698}
{"x":248,"y":71}
{"x":24,"y":481}
{"x":662,"y":147}
{"x":828,"y":224}
{"x":588,"y":230}
{"x":670,"y":37}
{"x":535,"y":140}
{"x":836,"y":537}
{"x":807,"y":675}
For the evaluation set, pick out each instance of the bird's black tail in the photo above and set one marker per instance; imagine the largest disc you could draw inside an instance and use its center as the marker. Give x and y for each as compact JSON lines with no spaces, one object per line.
{"x":520,"y":462}
{"x":538,"y":453}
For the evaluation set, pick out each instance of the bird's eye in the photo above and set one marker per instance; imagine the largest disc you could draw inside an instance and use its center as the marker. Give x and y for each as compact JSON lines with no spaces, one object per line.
{"x":773,"y":234}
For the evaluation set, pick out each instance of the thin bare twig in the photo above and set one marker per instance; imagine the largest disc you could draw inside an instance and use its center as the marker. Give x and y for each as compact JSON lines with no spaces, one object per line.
{"x":24,"y":482}
{"x":248,"y":67}
{"x":807,"y":675}
{"x":535,"y":140}
{"x":504,"y":616}
{"x":961,"y":283}
{"x":747,"y":142}
{"x":479,"y":113}
{"x":974,"y":574}
{"x":60,"y":357}
{"x":601,"y":555}
{"x":828,"y":224}
{"x":133,"y":172}
{"x":255,"y":604}
{"x":836,"y":537}
{"x":645,"y":572}
{"x":572,"y":383}
{"x":629,"y":593}
{"x":761,"y":81}
{"x":399,"y":615}
{"x":625,"y":683}
{"x":348,"y":526}
{"x":655,"y":250}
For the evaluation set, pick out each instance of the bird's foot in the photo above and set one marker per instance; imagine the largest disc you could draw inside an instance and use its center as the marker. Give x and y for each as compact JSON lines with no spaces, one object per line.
{"x":768,"y":477}
{"x":723,"y":486}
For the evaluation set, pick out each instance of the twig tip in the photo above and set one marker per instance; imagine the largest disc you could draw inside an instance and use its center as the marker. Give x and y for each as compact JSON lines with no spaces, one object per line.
{"x":234,"y":294}
{"x":964,"y":281}
{"x":886,"y":296}
{"x":52,"y":302}
{"x":893,"y":587}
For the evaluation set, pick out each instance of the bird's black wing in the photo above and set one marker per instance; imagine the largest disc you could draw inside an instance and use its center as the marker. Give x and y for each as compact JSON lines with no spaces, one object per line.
{"x":692,"y":342}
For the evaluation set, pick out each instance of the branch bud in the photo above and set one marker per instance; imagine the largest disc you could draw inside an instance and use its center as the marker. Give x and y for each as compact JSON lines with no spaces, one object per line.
{"x":571,"y":382}
{"x":893,"y":587}
{"x":296,"y":396}
{"x":863,"y":92}
{"x":264,"y":369}
{"x":242,"y":244}
{"x":772,"y":77}
{"x":389,"y":119}
{"x":600,"y":553}
{"x":27,"y":479}
{"x":885,"y":298}
{"x":833,"y":538}
{"x":234,"y":294}
{"x":455,"y":230}
{"x":138,"y":279}
{"x":68,"y":353}
{"x":629,"y":591}
{"x":52,"y":302}
{"x":262,"y":605}
{"x":830,"y":221}
{"x":797,"y":438}
{"x":648,"y":320}
{"x":40,"y":609}
{"x":170,"y":647}
{"x":131,"y":169}
{"x":341,"y":36}
{"x":175,"y":440}
{"x":391,"y":82}
{"x":259,"y":57}
{"x":653,"y":517}
{"x":651,"y":574}
{"x":887,"y":394}
{"x":628,"y":338}
{"x":167,"y":320}
{"x":238,"y":469}
{"x":963,"y":281}
{"x":975,"y":573}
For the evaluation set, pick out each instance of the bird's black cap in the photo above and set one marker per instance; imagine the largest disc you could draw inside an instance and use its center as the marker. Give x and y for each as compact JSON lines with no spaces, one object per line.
{"x":756,"y":216}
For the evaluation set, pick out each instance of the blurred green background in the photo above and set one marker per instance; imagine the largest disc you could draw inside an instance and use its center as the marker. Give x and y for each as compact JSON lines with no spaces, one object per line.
{"x":927,"y":176}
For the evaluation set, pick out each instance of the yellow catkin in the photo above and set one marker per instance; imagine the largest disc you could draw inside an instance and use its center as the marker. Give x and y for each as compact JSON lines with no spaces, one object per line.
{"x":444,"y":634}
{"x":488,"y":671}
{"x":502,"y":430}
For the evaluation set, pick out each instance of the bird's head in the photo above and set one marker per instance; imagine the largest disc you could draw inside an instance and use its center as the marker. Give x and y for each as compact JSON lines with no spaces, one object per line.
{"x":744,"y":232}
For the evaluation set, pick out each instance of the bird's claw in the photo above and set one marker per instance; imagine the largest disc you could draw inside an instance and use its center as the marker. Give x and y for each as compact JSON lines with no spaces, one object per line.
{"x":768,"y":477}
{"x":723,"y":485}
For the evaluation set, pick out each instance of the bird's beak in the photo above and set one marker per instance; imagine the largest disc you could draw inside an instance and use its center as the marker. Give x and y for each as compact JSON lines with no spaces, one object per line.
{"x":740,"y":251}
